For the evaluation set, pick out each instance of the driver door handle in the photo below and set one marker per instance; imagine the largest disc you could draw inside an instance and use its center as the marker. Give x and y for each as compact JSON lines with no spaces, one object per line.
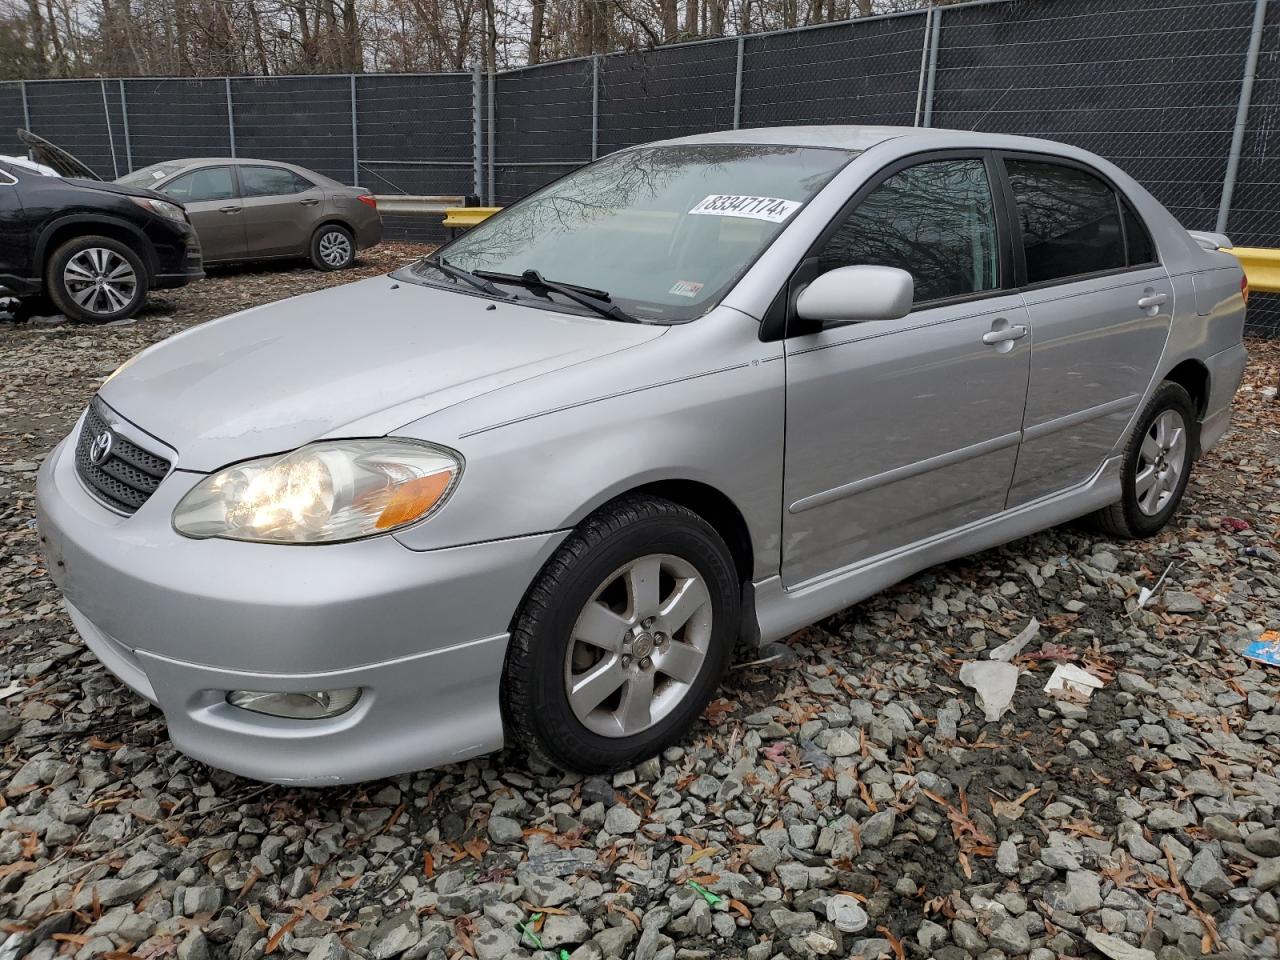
{"x":228,"y":209}
{"x":1154,"y":300}
{"x":1004,"y":335}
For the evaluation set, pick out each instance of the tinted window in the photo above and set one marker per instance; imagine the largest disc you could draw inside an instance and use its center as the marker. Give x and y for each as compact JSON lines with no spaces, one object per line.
{"x":935,"y":220}
{"x":1070,"y":221}
{"x":271,"y":182}
{"x":212,"y":183}
{"x":1137,"y":240}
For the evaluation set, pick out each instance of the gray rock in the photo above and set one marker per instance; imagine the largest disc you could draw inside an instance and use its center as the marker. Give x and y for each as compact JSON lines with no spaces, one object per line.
{"x":329,"y":948}
{"x":560,"y":931}
{"x":1206,"y":874}
{"x":1176,"y":601}
{"x":494,"y":945}
{"x":1010,"y":935}
{"x":394,"y":935}
{"x":1115,"y":948}
{"x":1266,"y":875}
{"x":791,"y":923}
{"x":1007,"y":858}
{"x":1264,"y":843}
{"x":621,"y":820}
{"x":1203,"y":783}
{"x":1083,"y":891}
{"x":967,"y":937}
{"x":504,"y":831}
{"x":878,"y":830}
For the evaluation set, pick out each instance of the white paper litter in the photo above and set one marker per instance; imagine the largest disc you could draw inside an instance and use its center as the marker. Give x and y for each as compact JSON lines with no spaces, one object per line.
{"x":846,"y":913}
{"x":1145,"y":594}
{"x":12,"y":689}
{"x":994,"y":681}
{"x":1007,"y":651}
{"x":1067,"y":676}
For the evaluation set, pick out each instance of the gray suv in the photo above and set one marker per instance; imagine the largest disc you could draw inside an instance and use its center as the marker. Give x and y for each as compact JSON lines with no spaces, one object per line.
{"x":699,"y":393}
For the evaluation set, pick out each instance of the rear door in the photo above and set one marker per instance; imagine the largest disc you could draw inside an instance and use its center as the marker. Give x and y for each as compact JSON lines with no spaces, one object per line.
{"x":1100,"y":305}
{"x":215,"y":210}
{"x":900,"y":430}
{"x":280,"y":210}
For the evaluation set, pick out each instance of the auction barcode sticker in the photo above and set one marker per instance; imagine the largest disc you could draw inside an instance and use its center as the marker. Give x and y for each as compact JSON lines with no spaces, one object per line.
{"x":754,"y":208}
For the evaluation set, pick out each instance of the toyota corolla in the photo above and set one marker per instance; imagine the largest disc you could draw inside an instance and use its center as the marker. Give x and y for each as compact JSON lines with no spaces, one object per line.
{"x":693,"y":396}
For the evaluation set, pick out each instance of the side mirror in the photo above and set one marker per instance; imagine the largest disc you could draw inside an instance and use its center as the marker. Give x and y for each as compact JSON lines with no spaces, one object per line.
{"x":855,"y":294}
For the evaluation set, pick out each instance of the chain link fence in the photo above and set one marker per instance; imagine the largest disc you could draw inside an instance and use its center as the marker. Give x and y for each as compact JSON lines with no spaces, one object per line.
{"x":1156,"y":86}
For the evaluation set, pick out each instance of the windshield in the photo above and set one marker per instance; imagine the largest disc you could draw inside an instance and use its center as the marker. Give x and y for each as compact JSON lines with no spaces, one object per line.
{"x":664,"y":231}
{"x":149,"y":175}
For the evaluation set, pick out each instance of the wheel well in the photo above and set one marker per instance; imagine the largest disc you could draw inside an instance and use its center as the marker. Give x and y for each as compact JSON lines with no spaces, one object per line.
{"x":1193,"y":376}
{"x":98,"y":228}
{"x":333,"y":222}
{"x":715,"y":508}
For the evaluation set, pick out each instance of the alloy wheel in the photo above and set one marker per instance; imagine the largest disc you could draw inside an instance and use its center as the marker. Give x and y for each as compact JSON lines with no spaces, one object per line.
{"x":638,"y":646}
{"x":335,"y":248}
{"x":1162,"y":459}
{"x":100,"y":280}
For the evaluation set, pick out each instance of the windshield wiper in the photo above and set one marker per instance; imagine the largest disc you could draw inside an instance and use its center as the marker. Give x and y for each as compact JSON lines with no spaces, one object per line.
{"x":466,"y":276}
{"x":596,"y":300}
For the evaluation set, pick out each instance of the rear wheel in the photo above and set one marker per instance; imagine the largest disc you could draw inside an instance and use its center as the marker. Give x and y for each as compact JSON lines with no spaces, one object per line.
{"x":1156,"y":468}
{"x":623,"y":637}
{"x":333,"y":248}
{"x":96,"y":280}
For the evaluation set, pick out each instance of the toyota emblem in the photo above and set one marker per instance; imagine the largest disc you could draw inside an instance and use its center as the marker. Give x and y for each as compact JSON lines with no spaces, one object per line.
{"x":100,"y":448}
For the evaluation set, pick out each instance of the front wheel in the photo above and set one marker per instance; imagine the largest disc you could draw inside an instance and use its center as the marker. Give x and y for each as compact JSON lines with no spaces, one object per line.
{"x":96,"y":280}
{"x":623,"y":637}
{"x":1157,"y":466}
{"x":333,"y":248}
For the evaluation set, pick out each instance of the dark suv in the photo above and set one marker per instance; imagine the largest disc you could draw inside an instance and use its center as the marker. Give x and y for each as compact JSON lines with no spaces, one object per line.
{"x":93,"y":248}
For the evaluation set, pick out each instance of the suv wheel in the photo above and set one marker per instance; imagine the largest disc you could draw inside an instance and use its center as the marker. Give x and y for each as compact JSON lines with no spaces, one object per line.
{"x":623,"y":637}
{"x":96,"y":280}
{"x":333,"y":248}
{"x":1156,"y":468}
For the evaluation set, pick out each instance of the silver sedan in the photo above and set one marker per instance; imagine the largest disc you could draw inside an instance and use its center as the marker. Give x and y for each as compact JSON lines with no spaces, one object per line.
{"x":701,"y":393}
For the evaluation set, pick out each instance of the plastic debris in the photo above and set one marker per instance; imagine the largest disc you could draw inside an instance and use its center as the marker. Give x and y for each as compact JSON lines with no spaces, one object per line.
{"x":707,"y":895}
{"x":527,"y":928}
{"x":1266,"y":649}
{"x":994,"y":681}
{"x":1007,"y":651}
{"x":846,"y":913}
{"x":1235,"y":524}
{"x":1072,"y":679}
{"x":1145,"y":594}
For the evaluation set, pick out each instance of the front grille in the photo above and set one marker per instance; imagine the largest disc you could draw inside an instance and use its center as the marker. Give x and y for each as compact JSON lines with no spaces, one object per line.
{"x":127,"y":476}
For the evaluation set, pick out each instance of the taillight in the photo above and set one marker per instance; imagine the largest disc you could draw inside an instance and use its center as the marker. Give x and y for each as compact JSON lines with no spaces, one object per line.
{"x":369,"y":200}
{"x":1244,"y":287}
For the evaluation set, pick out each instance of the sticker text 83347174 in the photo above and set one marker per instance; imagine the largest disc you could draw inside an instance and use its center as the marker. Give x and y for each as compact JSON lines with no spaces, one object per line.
{"x":754,"y":208}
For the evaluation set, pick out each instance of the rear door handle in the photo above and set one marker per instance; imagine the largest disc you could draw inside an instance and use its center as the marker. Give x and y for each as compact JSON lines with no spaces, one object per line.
{"x":1153,"y":300}
{"x":309,"y":202}
{"x":1004,"y":335}
{"x":228,"y":209}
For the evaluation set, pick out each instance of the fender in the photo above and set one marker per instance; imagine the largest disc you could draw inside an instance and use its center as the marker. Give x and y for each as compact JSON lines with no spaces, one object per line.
{"x":144,"y":247}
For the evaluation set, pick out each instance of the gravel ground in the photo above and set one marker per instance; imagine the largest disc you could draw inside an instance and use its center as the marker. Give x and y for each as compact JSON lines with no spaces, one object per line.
{"x":845,"y":799}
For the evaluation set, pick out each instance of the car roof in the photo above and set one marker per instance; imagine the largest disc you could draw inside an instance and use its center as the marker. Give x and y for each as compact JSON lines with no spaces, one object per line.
{"x":857,"y":137}
{"x":182,"y":164}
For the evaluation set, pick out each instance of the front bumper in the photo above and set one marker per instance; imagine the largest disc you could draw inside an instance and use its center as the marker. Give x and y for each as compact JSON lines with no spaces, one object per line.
{"x":183,"y":621}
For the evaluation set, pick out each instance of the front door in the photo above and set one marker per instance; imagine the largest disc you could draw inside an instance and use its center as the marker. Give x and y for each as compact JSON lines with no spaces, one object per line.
{"x":214,"y":208}
{"x":14,"y":257}
{"x":281,"y":209}
{"x":1100,"y":304}
{"x":900,"y":430}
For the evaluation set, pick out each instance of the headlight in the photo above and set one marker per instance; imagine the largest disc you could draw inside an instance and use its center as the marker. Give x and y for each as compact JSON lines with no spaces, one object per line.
{"x":321,"y":493}
{"x":170,"y":211}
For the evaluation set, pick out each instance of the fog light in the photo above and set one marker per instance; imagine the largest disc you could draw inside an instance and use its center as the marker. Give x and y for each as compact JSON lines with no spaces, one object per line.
{"x":308,"y":705}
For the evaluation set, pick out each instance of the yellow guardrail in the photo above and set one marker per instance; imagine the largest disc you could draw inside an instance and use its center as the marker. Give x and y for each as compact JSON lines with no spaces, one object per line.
{"x":467,"y":217}
{"x":1261,"y":267}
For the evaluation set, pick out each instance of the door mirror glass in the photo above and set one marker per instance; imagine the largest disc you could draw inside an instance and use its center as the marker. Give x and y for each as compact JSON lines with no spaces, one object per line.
{"x":854,"y":294}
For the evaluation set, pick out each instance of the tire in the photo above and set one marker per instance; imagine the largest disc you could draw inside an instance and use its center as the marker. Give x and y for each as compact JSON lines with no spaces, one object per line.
{"x":75,"y":269}
{"x":333,"y":247}
{"x":1144,"y":509}
{"x":587,"y":589}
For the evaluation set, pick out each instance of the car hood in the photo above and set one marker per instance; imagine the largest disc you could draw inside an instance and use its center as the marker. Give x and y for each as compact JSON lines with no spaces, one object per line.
{"x":357,"y":360}
{"x":51,"y":155}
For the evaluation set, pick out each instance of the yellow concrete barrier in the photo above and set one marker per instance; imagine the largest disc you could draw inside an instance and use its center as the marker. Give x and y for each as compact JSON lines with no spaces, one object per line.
{"x":1261,"y":267}
{"x":467,"y":217}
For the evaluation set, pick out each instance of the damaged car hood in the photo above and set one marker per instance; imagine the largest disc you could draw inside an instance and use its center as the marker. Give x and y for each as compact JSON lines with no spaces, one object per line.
{"x":357,"y":360}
